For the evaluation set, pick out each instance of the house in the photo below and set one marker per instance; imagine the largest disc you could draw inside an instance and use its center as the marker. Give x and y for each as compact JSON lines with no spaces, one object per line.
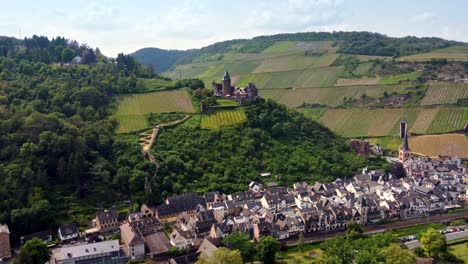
{"x":77,"y":60}
{"x":208,"y":246}
{"x":178,"y":204}
{"x":181,"y":239}
{"x":45,"y":236}
{"x":133,"y":243}
{"x":5,"y":248}
{"x":68,"y":232}
{"x":185,"y":259}
{"x":148,"y":211}
{"x":107,"y":221}
{"x":93,"y":253}
{"x":143,"y":237}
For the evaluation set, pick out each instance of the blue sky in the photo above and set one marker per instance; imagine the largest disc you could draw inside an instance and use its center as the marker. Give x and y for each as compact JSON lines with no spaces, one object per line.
{"x":125,"y":26}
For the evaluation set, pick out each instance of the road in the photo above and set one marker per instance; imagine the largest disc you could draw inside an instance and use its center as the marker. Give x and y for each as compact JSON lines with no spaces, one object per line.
{"x":318,"y":237}
{"x":450,"y":236}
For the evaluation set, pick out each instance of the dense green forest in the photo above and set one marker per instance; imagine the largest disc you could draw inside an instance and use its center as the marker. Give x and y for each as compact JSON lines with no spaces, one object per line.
{"x":56,"y":138}
{"x":274,"y":139}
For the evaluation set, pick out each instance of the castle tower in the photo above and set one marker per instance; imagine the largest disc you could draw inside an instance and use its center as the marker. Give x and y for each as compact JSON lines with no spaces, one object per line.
{"x":226,"y":84}
{"x":404,"y":151}
{"x":403,"y":128}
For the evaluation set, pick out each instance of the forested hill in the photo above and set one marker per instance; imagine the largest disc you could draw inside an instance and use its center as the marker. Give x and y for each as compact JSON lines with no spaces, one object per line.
{"x":363,"y":43}
{"x":161,"y":60}
{"x":56,"y":137}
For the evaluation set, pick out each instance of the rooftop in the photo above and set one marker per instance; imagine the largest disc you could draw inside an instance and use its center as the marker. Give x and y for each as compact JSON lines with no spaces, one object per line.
{"x":86,"y":250}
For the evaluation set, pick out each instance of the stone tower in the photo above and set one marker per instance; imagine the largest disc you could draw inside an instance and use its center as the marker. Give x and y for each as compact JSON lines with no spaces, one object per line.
{"x":403,"y":128}
{"x":404,"y":151}
{"x":226,"y":84}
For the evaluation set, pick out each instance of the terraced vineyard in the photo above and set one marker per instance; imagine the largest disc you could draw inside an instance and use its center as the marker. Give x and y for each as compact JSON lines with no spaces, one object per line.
{"x":448,"y":93}
{"x":330,"y":96}
{"x":444,"y":145}
{"x":221,"y":119}
{"x":384,"y":122}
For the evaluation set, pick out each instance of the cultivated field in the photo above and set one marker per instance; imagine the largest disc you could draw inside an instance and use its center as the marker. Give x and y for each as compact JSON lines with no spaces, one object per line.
{"x":285,"y":63}
{"x":448,"y":93}
{"x":223,"y":119}
{"x":320,"y":77}
{"x":133,"y":108}
{"x":384,"y":122}
{"x":436,"y":55}
{"x":360,"y":81}
{"x":440,"y":145}
{"x":330,"y":96}
{"x":131,"y":123}
{"x":157,"y":102}
{"x":288,"y":46}
{"x":395,"y":79}
{"x":363,"y":69}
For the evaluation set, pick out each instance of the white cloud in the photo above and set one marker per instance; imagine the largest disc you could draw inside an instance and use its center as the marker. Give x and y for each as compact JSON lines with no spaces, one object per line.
{"x":296,"y":15}
{"x":423,"y":17}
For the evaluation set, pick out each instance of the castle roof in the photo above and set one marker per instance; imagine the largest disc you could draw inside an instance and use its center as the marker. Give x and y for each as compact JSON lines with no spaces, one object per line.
{"x":226,"y":76}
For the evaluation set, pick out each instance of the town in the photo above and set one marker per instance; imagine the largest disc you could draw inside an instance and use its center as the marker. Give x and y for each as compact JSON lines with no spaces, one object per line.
{"x":195,"y":224}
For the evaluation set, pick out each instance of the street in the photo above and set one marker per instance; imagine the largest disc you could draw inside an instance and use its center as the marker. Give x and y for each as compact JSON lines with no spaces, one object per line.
{"x":450,"y":236}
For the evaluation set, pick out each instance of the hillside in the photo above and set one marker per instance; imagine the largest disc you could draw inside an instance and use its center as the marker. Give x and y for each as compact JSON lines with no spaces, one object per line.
{"x":161,"y":60}
{"x":327,"y":76}
{"x":193,"y":157}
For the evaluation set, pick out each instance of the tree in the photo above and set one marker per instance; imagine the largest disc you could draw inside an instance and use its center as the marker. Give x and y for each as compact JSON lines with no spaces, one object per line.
{"x":433,"y":243}
{"x":221,"y":256}
{"x":353,"y":230}
{"x":338,"y":250}
{"x":267,"y":249}
{"x":33,"y":251}
{"x":68,"y":54}
{"x":241,"y":242}
{"x":395,"y":254}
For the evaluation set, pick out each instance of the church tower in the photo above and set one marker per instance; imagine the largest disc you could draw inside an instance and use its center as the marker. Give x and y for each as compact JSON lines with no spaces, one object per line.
{"x":226,"y":84}
{"x":405,"y":152}
{"x":403,"y":129}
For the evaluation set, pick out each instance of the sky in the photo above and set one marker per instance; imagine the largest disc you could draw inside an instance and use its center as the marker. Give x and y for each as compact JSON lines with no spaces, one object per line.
{"x":125,"y":26}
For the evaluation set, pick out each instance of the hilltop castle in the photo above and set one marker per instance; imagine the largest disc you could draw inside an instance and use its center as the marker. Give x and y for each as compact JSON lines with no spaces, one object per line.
{"x":243,"y":96}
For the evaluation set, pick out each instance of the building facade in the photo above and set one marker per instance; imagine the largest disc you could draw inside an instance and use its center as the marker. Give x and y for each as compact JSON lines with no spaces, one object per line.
{"x":5,"y":249}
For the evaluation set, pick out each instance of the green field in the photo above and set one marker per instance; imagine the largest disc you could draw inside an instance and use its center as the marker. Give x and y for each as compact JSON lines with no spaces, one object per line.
{"x":131,"y":123}
{"x":289,"y":46}
{"x":460,"y":251}
{"x":283,"y":79}
{"x":221,"y":119}
{"x":286,"y":63}
{"x":448,"y":93}
{"x":133,"y":108}
{"x":395,"y":79}
{"x":363,"y":69}
{"x":330,"y":96}
{"x":384,"y":122}
{"x":436,"y":55}
{"x":312,"y":113}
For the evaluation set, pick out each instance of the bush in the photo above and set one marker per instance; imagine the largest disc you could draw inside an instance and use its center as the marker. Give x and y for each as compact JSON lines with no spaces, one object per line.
{"x":419,"y":252}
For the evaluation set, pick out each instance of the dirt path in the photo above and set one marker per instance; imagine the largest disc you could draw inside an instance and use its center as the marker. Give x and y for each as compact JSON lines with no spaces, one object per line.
{"x":148,"y":137}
